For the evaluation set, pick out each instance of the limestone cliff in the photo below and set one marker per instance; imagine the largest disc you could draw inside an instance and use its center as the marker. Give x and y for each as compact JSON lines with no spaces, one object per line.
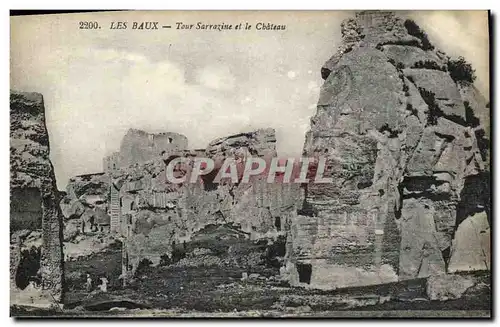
{"x":402,"y":140}
{"x":35,"y":219}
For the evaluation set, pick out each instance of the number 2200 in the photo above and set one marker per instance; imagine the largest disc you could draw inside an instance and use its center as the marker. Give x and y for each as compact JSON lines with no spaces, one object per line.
{"x":89,"y":25}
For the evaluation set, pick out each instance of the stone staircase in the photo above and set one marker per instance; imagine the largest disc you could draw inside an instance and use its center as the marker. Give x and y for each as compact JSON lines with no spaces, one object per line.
{"x":115,"y":210}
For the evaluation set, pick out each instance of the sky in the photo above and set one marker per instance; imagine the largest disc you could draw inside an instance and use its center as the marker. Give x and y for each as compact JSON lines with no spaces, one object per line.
{"x":204,"y":84}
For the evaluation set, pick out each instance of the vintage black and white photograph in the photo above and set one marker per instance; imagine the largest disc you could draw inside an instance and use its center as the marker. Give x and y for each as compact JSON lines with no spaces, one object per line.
{"x":250,"y":164}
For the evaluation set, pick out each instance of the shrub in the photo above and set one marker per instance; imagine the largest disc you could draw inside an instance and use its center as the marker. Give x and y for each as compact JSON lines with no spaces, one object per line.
{"x":470,"y":117}
{"x":428,"y":64}
{"x":461,"y":71}
{"x":414,"y":29}
{"x":398,"y":65}
{"x":434,"y":110}
{"x":410,"y":43}
{"x":405,"y":88}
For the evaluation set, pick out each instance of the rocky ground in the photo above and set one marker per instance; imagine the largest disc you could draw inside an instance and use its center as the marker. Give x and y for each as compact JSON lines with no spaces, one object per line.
{"x":191,"y":292}
{"x":232,"y":278}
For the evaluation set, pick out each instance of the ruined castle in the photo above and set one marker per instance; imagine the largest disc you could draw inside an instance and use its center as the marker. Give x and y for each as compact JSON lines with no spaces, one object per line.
{"x":138,"y":146}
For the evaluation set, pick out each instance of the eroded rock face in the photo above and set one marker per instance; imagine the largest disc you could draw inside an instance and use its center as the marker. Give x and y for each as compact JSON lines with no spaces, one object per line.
{"x":34,"y":205}
{"x":260,"y":143}
{"x":400,"y":144}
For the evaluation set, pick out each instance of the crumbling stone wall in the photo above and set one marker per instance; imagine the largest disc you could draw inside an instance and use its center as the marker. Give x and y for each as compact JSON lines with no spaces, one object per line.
{"x":138,"y":147}
{"x":32,"y":179}
{"x":400,"y":147}
{"x":111,"y":162}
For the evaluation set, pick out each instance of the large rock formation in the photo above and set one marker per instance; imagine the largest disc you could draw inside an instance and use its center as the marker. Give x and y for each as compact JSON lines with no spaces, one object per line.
{"x":36,"y":264}
{"x":401,"y":138}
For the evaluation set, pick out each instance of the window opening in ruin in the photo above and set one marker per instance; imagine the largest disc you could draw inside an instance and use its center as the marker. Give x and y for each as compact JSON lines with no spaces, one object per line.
{"x":277,"y":223}
{"x":304,"y":271}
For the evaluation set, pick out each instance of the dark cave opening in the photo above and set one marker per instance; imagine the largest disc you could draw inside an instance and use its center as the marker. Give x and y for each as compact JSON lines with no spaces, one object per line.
{"x":474,"y":197}
{"x":305,"y":271}
{"x":28,"y":267}
{"x":143,"y":267}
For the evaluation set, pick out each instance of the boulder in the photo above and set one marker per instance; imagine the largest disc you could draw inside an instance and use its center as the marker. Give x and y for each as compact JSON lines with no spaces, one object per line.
{"x":73,"y":209}
{"x":71,"y":229}
{"x":471,"y":249}
{"x":448,"y":287}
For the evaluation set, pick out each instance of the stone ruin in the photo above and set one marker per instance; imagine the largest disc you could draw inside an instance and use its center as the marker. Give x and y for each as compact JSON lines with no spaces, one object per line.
{"x":36,"y":258}
{"x":406,"y":150}
{"x":150,"y":216}
{"x":138,"y":146}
